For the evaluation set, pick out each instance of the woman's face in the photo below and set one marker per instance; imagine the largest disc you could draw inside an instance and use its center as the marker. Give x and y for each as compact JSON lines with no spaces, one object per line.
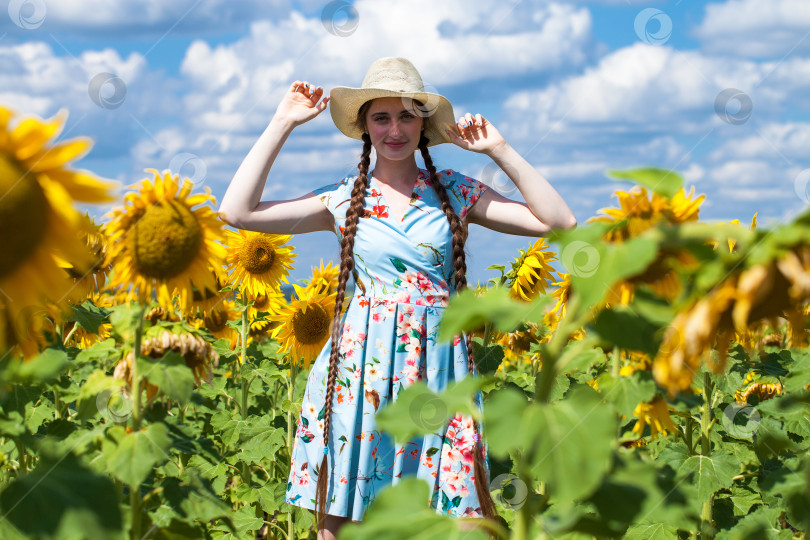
{"x":390,"y":120}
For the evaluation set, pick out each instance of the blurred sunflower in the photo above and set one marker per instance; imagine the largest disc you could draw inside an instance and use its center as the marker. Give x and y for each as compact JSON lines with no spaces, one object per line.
{"x":160,"y":242}
{"x":258,"y":262}
{"x":762,"y":388}
{"x":639,"y":211}
{"x":731,"y":241}
{"x":562,"y":293}
{"x":84,"y":339}
{"x":531,"y":272}
{"x":39,"y":222}
{"x":656,"y":415}
{"x":94,"y":278}
{"x":204,"y":300}
{"x":517,"y":344}
{"x":305,"y":325}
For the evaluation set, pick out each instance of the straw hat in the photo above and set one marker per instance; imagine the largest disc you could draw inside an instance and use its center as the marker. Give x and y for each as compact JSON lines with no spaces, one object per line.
{"x":392,"y":77}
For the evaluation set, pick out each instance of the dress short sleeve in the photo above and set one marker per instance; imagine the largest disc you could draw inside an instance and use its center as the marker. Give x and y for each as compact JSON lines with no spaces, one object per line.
{"x":337,"y":197}
{"x":463,"y":190}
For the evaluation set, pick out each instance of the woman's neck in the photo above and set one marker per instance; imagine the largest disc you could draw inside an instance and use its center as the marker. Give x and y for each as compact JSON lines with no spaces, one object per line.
{"x":397,"y":174}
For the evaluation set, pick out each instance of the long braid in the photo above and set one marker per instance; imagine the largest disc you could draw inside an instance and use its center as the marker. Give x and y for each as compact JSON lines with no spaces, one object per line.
{"x":460,"y":278}
{"x":353,"y":214}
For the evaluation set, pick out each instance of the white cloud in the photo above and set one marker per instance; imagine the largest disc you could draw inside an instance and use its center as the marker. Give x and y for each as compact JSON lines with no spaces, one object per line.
{"x":774,"y":141}
{"x":753,"y":28}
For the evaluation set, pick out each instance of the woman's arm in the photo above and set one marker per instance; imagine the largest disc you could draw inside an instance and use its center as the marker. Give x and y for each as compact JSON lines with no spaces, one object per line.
{"x":241,"y":206}
{"x":543,"y":210}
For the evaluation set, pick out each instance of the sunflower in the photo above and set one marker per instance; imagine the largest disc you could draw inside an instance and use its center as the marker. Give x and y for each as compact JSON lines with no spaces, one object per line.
{"x":94,"y":278}
{"x":270,"y":303}
{"x":639,"y":361}
{"x":305,"y":325}
{"x":39,"y":222}
{"x":531,"y":273}
{"x":656,"y":415}
{"x":160,"y":243}
{"x":324,"y":279}
{"x":216,"y":321}
{"x":562,"y":293}
{"x":85,"y":339}
{"x":197,"y":353}
{"x":753,"y":384}
{"x":516,"y":345}
{"x":258,"y":262}
{"x":731,"y":241}
{"x":639,"y":211}
{"x":204,"y":300}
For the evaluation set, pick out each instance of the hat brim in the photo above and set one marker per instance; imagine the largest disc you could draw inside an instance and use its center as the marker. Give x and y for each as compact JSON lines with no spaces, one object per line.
{"x":344,"y":102}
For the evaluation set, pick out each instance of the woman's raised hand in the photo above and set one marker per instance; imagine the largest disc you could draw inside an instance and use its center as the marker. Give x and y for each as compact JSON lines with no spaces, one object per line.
{"x":301,"y":103}
{"x":476,"y":134}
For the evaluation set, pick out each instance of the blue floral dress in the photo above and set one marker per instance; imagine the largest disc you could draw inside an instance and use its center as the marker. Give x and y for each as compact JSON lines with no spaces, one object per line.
{"x":400,"y":290}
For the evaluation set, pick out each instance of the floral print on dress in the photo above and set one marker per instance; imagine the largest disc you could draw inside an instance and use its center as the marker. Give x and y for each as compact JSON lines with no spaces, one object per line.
{"x":399,"y":290}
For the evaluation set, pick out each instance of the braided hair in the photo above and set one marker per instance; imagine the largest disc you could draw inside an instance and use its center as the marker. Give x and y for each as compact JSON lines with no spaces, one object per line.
{"x":353,"y":214}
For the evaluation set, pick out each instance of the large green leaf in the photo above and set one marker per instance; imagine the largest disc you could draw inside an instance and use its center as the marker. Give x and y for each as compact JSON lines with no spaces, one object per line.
{"x":504,"y":410}
{"x":662,"y":181}
{"x":170,"y":374}
{"x":137,"y":453}
{"x":625,"y":328}
{"x":711,"y":473}
{"x":625,"y":393}
{"x":418,"y":410}
{"x":402,"y":511}
{"x":45,"y":367}
{"x":89,"y":316}
{"x":62,"y":498}
{"x":569,"y":443}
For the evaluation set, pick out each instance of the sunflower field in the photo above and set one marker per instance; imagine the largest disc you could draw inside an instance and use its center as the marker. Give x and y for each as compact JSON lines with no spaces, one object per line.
{"x":152,"y":369}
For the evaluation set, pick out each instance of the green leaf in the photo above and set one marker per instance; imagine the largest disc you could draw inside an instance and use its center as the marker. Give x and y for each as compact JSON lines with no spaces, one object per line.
{"x":468,"y":311}
{"x":89,"y":404}
{"x":417,"y":410}
{"x":661,"y":181}
{"x":398,"y":264}
{"x":45,"y":367}
{"x":647,"y":530}
{"x":89,"y":316}
{"x":625,"y":393}
{"x":504,"y":410}
{"x":625,"y":328}
{"x":62,"y":498}
{"x":486,"y":359}
{"x":170,"y":374}
{"x":711,"y":473}
{"x":569,"y":442}
{"x":402,"y":511}
{"x":124,"y":319}
{"x":137,"y":453}
{"x":579,"y":356}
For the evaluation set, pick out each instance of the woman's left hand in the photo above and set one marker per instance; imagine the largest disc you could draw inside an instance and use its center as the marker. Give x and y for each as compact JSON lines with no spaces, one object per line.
{"x":476,"y":134}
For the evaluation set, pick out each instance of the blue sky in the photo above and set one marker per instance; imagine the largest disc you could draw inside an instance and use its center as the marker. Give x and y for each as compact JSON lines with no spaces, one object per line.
{"x":577,"y":88}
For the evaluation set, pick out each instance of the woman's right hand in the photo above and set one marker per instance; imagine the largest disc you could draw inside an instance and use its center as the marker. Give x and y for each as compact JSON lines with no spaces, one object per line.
{"x":301,"y":103}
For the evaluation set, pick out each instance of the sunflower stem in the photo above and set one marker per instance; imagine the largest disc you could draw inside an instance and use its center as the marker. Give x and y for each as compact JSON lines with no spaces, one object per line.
{"x":616,"y":367}
{"x":706,"y":529}
{"x":135,"y":489}
{"x":242,"y":363}
{"x":290,"y":395}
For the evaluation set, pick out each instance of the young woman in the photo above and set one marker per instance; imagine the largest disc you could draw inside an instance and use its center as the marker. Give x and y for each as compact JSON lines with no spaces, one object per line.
{"x":401,"y":230}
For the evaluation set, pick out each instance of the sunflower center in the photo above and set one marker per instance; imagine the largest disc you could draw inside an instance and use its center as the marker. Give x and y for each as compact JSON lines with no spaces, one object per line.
{"x":165,"y":240}
{"x":257,"y":255}
{"x":311,"y":326}
{"x":216,"y":320}
{"x":23,"y":213}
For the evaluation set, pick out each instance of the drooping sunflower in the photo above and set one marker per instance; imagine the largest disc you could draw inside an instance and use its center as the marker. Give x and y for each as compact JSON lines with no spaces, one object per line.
{"x":258,"y":262}
{"x":216,"y":321}
{"x":161,"y":243}
{"x":656,"y":415}
{"x":305,"y":325}
{"x":39,"y":222}
{"x":531,"y":272}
